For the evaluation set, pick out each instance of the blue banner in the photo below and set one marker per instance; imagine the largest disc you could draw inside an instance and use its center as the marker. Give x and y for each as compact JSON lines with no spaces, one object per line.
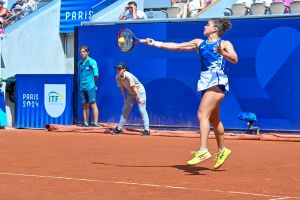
{"x":43,"y":99}
{"x":73,"y":12}
{"x":265,"y":81}
{"x":3,"y":118}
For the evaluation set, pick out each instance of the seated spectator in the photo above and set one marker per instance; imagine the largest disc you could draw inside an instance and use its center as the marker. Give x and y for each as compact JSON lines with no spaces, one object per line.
{"x":131,"y":12}
{"x":19,"y":3}
{"x":4,"y":14}
{"x":32,"y":4}
{"x":192,"y":8}
{"x":17,"y":9}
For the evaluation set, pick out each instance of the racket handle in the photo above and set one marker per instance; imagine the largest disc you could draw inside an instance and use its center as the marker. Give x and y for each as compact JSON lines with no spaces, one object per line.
{"x":143,"y":41}
{"x":146,"y":41}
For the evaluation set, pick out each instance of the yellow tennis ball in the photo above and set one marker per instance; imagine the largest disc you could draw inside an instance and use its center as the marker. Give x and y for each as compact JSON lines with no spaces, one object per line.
{"x":121,"y":40}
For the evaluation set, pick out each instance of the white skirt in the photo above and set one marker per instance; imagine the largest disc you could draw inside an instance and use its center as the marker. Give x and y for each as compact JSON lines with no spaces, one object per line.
{"x":212,"y":78}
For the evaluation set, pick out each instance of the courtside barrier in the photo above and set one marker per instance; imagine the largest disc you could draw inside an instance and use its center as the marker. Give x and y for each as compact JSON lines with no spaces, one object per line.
{"x":42,"y":99}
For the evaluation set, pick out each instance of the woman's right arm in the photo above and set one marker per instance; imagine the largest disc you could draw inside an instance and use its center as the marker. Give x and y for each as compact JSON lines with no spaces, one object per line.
{"x":185,"y":46}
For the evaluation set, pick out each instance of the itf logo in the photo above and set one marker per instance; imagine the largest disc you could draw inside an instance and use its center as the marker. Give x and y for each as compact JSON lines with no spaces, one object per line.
{"x":55,"y":99}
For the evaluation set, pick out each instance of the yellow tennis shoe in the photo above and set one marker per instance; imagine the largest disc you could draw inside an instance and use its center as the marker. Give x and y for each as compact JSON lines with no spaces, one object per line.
{"x":221,"y":157}
{"x":199,"y":156}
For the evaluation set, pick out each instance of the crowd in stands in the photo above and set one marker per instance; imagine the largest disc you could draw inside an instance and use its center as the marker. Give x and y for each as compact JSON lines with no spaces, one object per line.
{"x":193,"y":8}
{"x":178,"y":9}
{"x":17,"y":11}
{"x":263,"y":7}
{"x":190,"y":8}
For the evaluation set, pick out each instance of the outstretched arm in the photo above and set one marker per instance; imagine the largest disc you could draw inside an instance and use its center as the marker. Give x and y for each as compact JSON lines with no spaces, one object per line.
{"x":185,"y":46}
{"x":225,"y":48}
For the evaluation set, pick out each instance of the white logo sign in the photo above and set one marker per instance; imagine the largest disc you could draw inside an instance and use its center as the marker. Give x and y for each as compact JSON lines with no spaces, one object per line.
{"x":55,"y":99}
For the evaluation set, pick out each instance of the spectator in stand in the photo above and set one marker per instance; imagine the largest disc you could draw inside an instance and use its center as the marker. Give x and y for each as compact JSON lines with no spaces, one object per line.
{"x":19,"y":4}
{"x":192,"y":8}
{"x":131,"y":12}
{"x":17,"y":13}
{"x":4,"y":14}
{"x":32,"y":4}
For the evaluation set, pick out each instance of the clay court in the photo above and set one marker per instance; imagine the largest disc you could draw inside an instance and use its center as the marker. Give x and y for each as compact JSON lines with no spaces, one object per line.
{"x":37,"y":164}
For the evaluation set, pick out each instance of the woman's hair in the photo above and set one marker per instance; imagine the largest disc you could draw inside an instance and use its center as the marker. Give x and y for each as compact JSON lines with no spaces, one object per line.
{"x":222,"y":24}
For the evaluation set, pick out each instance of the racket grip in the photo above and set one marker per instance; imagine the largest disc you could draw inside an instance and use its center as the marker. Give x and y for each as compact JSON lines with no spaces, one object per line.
{"x":143,"y":41}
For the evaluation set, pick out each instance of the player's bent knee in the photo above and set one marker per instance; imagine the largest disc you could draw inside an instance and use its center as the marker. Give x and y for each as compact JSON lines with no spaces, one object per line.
{"x":202,"y":116}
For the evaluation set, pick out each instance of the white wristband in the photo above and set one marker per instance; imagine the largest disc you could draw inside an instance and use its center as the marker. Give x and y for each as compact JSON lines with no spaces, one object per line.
{"x":158,"y":44}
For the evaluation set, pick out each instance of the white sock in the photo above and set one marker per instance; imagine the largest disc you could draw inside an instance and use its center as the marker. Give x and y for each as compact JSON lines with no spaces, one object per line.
{"x":203,"y":149}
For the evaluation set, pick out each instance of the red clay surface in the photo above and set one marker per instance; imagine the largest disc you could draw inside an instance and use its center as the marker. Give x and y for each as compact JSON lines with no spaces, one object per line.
{"x":48,"y":165}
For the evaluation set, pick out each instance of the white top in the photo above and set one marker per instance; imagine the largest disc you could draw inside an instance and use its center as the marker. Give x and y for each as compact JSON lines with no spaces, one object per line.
{"x":194,"y":7}
{"x":129,"y":81}
{"x":140,"y":14}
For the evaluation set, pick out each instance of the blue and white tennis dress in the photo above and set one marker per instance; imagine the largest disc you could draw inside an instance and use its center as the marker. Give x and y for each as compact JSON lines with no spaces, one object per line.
{"x":212,"y":67}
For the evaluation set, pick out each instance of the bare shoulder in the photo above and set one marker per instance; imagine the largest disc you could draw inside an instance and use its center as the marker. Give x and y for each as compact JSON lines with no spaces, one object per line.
{"x":197,"y":41}
{"x":226,"y":43}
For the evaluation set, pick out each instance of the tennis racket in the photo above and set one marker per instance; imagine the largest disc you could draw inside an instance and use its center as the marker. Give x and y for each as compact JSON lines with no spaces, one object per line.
{"x":129,"y":40}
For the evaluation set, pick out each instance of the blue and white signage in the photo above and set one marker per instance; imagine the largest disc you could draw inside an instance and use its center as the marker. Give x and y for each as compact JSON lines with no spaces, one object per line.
{"x":73,"y":12}
{"x":43,"y":99}
{"x":55,"y":99}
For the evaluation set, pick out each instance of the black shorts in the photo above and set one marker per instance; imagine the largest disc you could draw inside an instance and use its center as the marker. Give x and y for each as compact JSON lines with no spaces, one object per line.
{"x":221,"y":87}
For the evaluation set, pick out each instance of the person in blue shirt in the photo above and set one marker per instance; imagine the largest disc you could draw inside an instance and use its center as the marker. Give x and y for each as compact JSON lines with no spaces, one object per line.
{"x":88,"y":73}
{"x":213,"y":83}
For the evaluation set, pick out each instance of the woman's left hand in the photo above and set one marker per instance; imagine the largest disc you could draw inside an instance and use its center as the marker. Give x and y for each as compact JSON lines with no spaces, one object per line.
{"x":219,"y":49}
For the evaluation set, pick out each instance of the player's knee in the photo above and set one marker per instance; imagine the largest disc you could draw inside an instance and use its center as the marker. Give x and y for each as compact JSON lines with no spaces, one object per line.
{"x":93,"y":104}
{"x":202,"y":116}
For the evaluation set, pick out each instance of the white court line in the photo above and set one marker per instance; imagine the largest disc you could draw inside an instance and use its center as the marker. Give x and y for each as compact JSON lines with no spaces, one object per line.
{"x":149,"y":185}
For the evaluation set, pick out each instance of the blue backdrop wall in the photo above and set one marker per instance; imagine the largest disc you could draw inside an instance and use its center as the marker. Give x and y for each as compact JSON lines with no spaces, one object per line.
{"x":265,"y":81}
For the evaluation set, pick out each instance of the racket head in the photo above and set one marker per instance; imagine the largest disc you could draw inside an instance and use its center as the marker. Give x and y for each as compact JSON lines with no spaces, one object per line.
{"x":130,"y":40}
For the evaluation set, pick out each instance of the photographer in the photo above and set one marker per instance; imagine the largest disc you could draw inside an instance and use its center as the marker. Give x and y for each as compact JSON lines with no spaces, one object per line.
{"x":132,"y":13}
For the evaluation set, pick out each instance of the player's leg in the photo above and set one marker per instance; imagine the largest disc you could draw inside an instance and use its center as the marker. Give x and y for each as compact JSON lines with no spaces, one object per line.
{"x":93,"y":104}
{"x":144,"y":114}
{"x":85,"y":104}
{"x":86,"y":114}
{"x":210,"y":99}
{"x":95,"y":112}
{"x":125,"y":113}
{"x":218,"y":127}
